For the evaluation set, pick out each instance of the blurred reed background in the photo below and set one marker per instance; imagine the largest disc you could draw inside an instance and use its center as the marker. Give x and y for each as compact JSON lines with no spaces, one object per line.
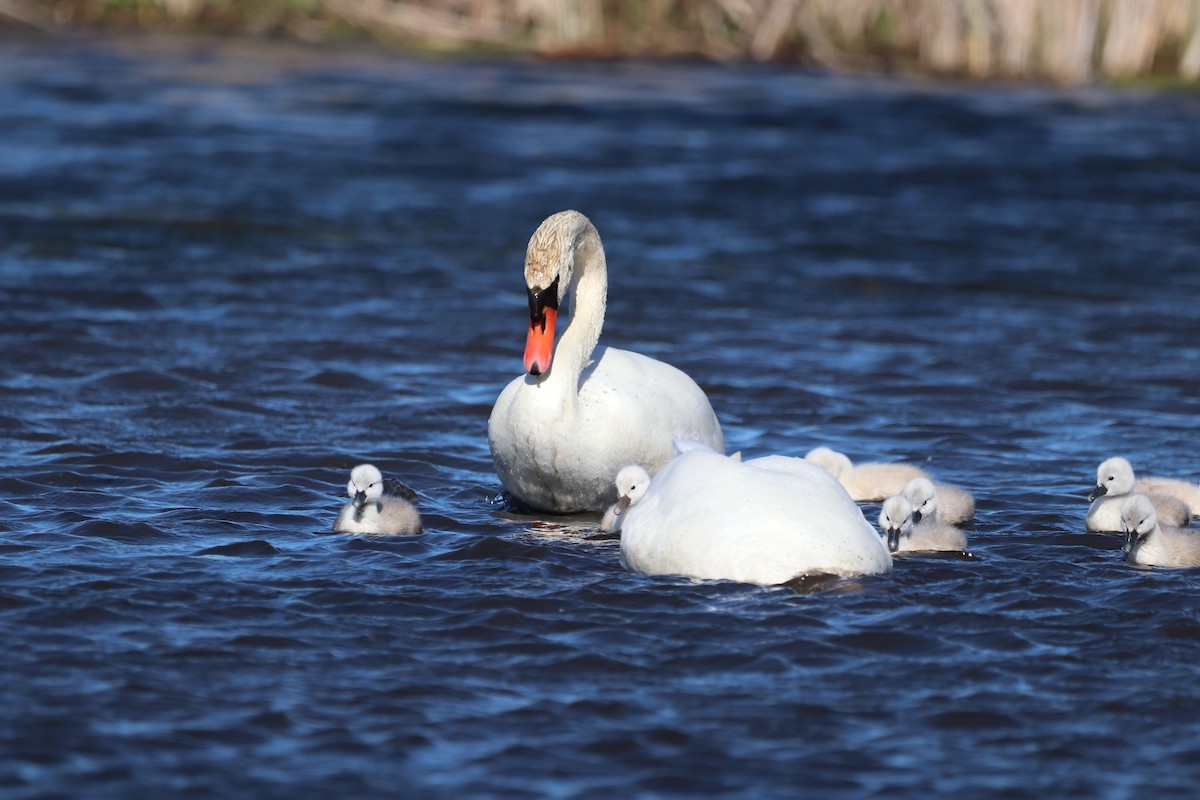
{"x":1063,"y":40}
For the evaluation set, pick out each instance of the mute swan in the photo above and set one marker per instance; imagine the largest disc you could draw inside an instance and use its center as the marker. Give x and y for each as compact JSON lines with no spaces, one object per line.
{"x":709,"y":516}
{"x":632,"y":482}
{"x":559,"y":433}
{"x":866,"y":483}
{"x":371,"y":511}
{"x":1188,"y":493}
{"x":1114,"y":481}
{"x":896,"y":520}
{"x":1149,"y":543}
{"x":939,"y":502}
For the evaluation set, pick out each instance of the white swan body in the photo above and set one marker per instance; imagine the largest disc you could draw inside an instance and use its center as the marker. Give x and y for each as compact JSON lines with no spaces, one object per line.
{"x":1188,"y":493}
{"x":559,"y":433}
{"x":1114,"y":483}
{"x":896,"y":522}
{"x":939,"y":502}
{"x":866,"y":483}
{"x":371,"y":511}
{"x":1154,"y":545}
{"x":763,"y":521}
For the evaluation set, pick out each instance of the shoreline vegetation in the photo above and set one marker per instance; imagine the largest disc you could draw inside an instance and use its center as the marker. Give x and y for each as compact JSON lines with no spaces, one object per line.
{"x":1067,"y":41}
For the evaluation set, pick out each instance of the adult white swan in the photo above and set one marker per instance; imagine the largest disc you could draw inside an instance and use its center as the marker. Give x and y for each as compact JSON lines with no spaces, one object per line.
{"x":763,"y":521}
{"x":562,"y":431}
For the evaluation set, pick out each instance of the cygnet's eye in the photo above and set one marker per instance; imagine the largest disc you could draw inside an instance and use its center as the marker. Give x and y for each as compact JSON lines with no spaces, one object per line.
{"x":1108,"y":479}
{"x":631,"y":488}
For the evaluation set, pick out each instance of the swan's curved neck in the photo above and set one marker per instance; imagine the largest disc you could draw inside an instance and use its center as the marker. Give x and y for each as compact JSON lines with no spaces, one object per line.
{"x":589,"y":296}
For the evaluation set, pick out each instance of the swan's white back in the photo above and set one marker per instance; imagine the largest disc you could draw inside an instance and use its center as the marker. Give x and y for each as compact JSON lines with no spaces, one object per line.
{"x":765,"y":521}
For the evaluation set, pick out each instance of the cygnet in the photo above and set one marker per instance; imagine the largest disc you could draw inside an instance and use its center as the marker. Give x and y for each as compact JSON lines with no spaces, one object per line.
{"x":865,"y":483}
{"x":1114,"y":482}
{"x":896,"y":522}
{"x":1188,"y":493}
{"x":1154,"y":545}
{"x":372,"y":511}
{"x":632,"y":483}
{"x":939,"y":502}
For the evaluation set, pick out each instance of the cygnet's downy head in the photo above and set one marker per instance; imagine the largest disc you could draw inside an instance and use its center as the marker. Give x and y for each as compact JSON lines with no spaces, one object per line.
{"x":1138,"y":520}
{"x":896,"y":520}
{"x":1115,"y":477}
{"x":366,"y":483}
{"x":923,"y":497}
{"x":835,"y":463}
{"x":632,"y":483}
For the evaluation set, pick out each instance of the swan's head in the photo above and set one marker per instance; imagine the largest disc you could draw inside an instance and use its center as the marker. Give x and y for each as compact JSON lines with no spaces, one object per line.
{"x":632,"y":483}
{"x":1115,"y":477}
{"x":1138,"y":521}
{"x":366,"y":483}
{"x":896,"y":520}
{"x":836,"y":464}
{"x":549,"y":262}
{"x":923,"y":497}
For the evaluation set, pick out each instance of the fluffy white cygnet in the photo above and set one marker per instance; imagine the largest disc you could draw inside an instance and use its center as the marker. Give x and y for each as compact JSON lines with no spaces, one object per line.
{"x":1188,"y":493}
{"x":1114,"y":482}
{"x":371,"y":511}
{"x":896,"y":522}
{"x":1154,"y":545}
{"x":865,"y":483}
{"x":939,"y":502}
{"x":632,"y":483}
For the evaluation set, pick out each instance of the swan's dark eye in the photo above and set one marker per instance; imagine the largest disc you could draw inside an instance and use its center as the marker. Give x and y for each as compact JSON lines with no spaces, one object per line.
{"x":540,"y":300}
{"x":1109,"y":478}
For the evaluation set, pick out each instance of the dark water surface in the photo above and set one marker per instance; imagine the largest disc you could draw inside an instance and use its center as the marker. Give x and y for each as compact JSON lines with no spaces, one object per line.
{"x":230,"y":273}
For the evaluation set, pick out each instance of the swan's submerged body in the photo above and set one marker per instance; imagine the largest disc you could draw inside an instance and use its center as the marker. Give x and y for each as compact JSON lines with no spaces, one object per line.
{"x":1151,"y":544}
{"x":559,"y":434}
{"x":765,"y":521}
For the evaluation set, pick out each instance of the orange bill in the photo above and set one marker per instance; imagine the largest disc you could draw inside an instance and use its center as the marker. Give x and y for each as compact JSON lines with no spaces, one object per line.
{"x":540,"y":345}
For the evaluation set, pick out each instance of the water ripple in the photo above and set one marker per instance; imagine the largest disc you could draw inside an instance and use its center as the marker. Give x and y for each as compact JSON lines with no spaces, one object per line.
{"x":233,"y":272}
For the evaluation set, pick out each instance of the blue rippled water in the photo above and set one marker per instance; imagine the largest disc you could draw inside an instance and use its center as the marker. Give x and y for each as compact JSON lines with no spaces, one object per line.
{"x":230,"y":272}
